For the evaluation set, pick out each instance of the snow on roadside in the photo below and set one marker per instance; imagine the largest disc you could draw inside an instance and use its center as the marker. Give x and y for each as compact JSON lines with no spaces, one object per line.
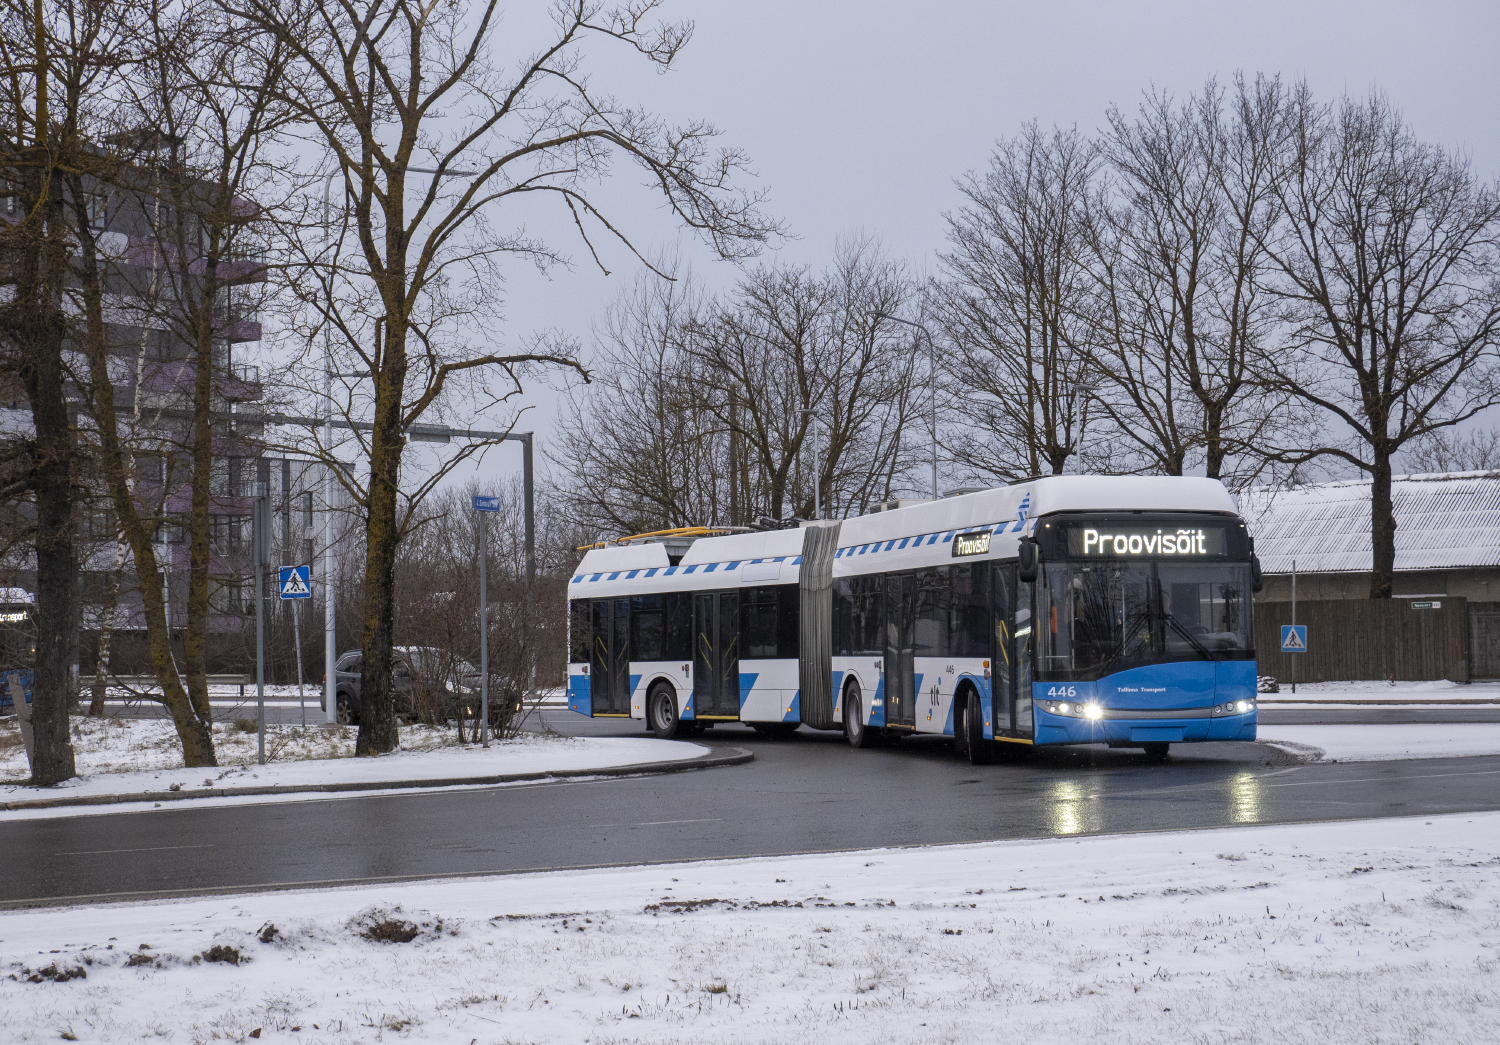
{"x":1373,"y":931}
{"x":1383,"y":742}
{"x":110,"y":750}
{"x":120,"y":745}
{"x":1372,"y":688}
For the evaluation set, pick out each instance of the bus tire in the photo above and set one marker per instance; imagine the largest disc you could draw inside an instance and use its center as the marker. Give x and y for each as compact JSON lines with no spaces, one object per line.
{"x":1156,"y":752}
{"x":855,"y":731}
{"x":661,"y":713}
{"x":978,"y":750}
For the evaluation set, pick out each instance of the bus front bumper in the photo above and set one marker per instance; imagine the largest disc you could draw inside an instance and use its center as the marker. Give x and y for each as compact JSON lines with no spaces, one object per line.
{"x":1122,"y":726}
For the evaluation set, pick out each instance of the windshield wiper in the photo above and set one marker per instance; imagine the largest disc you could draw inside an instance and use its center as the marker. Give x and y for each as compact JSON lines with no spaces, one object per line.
{"x":1189,"y":636}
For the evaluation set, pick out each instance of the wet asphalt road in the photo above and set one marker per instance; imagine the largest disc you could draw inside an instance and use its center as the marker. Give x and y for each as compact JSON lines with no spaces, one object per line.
{"x":809,"y":793}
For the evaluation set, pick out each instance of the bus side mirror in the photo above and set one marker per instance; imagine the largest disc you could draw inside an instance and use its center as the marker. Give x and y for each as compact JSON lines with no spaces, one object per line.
{"x":1257,"y":582}
{"x":1030,"y":555}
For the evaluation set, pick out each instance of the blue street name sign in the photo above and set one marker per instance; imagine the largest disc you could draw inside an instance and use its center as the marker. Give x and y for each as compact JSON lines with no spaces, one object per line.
{"x":1294,"y":638}
{"x":486,"y":504}
{"x":296,"y":582}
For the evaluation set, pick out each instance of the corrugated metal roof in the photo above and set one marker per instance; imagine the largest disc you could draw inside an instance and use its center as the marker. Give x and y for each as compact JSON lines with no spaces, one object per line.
{"x":1443,"y":521}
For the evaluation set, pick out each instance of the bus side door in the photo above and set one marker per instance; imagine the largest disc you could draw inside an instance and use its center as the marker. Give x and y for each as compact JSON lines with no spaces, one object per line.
{"x":716,"y":654}
{"x":609,"y":665}
{"x":1011,"y":677}
{"x":900,"y":649}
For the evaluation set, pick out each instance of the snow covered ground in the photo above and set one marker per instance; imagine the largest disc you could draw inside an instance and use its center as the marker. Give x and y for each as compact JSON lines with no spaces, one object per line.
{"x":1381,"y":742}
{"x":1441,"y":689}
{"x":1383,"y":931}
{"x":141,"y":756}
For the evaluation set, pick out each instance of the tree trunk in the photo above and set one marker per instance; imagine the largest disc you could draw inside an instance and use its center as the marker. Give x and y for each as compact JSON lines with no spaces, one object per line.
{"x":36,"y":323}
{"x":377,"y":713}
{"x":194,"y":725}
{"x":1382,"y":528}
{"x":56,"y":568}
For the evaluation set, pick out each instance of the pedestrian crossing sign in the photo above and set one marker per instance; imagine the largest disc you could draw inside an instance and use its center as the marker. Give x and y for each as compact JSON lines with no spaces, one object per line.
{"x":1294,"y":638}
{"x":296,"y":582}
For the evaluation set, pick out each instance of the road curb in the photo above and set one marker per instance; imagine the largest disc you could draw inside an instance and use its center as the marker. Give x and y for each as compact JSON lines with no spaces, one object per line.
{"x":728,"y":757}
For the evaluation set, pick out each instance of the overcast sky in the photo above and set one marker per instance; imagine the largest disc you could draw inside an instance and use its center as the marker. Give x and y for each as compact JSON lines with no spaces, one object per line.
{"x":858,"y":116}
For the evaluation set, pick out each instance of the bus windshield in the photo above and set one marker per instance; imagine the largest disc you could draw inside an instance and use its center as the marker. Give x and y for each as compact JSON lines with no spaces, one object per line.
{"x":1100,"y":617}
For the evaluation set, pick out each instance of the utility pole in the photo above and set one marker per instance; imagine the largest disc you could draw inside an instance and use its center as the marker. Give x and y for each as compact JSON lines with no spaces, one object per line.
{"x":1294,"y":621}
{"x":330,"y":634}
{"x":261,"y":539}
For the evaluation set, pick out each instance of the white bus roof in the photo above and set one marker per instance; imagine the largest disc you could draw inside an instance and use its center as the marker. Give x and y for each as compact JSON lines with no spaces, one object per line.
{"x":903,"y":538}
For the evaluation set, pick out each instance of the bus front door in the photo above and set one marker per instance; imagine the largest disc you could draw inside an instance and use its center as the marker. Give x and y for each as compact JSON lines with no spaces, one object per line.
{"x":609,"y":688}
{"x":716,"y":655}
{"x":900,"y":652}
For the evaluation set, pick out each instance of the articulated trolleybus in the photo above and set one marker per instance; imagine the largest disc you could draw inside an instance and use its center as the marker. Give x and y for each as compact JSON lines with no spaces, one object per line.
{"x":1063,"y":610}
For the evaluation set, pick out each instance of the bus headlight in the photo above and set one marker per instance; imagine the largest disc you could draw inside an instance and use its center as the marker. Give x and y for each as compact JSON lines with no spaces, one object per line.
{"x":1245,"y":706}
{"x":1093,"y":711}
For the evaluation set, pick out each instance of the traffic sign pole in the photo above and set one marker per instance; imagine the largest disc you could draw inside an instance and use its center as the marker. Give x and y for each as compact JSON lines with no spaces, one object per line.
{"x":485,"y":506}
{"x":484,"y":630}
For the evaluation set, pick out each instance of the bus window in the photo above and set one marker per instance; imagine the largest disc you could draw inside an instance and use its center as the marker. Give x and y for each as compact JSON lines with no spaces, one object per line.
{"x":843,"y":617}
{"x":969,"y":612}
{"x":768,"y":621}
{"x":677,"y":642}
{"x":788,"y":618}
{"x":580,"y":635}
{"x":930,"y":626}
{"x":647,"y":627}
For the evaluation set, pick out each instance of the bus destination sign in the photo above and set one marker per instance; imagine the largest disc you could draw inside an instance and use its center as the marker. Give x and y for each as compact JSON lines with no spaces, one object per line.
{"x":971,"y":543}
{"x":1161,"y":541}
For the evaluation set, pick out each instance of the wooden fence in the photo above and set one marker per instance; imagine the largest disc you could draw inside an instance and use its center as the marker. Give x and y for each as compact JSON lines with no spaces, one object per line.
{"x":1367,"y":639}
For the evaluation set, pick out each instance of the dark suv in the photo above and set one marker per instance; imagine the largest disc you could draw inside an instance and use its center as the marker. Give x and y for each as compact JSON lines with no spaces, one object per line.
{"x":430,"y":684}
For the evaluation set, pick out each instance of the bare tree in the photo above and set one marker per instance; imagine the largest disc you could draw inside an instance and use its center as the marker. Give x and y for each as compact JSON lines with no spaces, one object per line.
{"x":391,"y":84}
{"x":1176,"y":232}
{"x":801,"y":366}
{"x":57,"y":60}
{"x":634,"y":442}
{"x":1452,"y":451}
{"x":715,"y":410}
{"x":1014,"y":306}
{"x":1388,"y":269}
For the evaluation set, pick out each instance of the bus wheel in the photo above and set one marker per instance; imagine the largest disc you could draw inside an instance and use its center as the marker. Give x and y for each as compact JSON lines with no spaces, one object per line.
{"x":661,"y":712}
{"x":855,"y":730}
{"x":1156,"y":752}
{"x":979,"y":750}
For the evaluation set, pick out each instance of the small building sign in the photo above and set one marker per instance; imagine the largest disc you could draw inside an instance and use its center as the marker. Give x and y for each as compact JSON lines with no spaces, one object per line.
{"x":1434,"y":604}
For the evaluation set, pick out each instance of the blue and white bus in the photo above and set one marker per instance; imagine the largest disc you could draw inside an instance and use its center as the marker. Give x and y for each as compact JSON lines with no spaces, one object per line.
{"x":1063,"y":610}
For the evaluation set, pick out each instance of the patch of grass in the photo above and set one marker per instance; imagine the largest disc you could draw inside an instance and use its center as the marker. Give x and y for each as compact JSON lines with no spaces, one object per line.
{"x":222,"y":953}
{"x":392,"y":930}
{"x":247,"y":725}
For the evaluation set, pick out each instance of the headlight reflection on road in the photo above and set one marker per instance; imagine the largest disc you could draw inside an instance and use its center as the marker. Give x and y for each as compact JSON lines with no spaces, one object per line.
{"x":1066,"y":812}
{"x":1246,"y":799}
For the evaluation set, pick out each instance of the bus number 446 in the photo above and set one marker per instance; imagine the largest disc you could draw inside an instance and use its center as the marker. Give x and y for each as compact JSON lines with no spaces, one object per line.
{"x":1062,"y":691}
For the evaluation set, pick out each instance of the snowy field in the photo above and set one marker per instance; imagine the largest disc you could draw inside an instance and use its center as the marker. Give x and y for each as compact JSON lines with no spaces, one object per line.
{"x":142,"y":756}
{"x":1384,"y":742}
{"x":1369,"y":932}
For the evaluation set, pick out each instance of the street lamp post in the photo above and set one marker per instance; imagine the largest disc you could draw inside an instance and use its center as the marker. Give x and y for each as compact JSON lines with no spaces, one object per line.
{"x":931,"y":387}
